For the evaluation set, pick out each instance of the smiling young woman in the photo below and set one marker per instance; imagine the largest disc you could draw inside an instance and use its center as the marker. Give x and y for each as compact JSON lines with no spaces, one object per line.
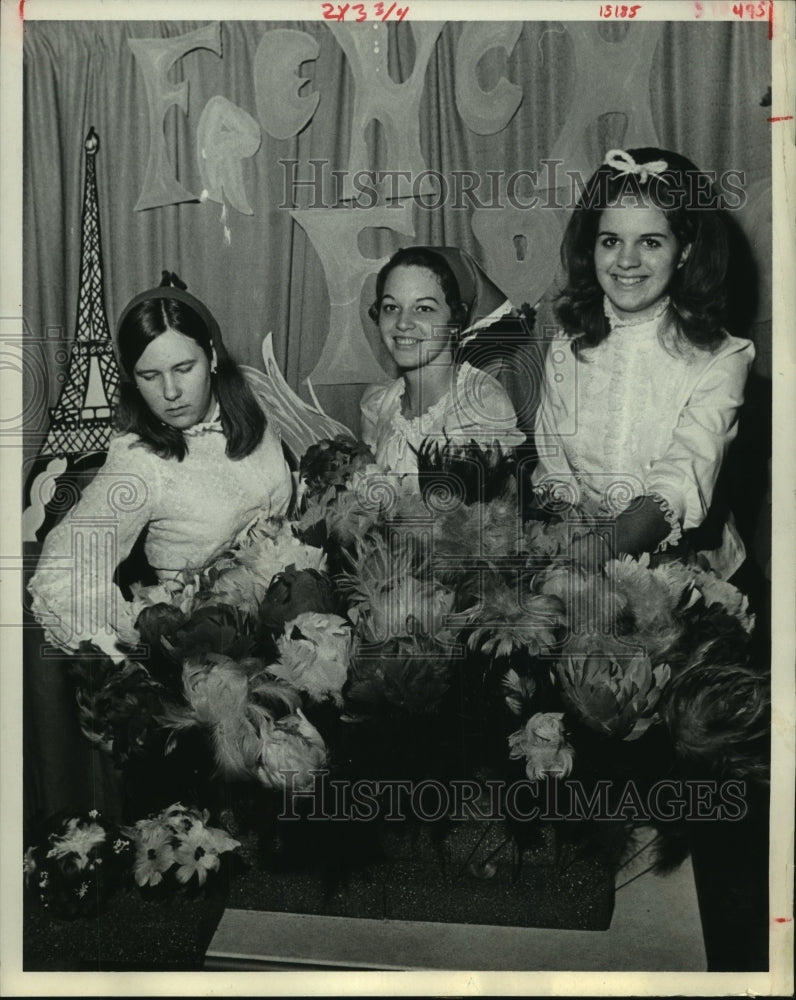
{"x":643,"y":386}
{"x":421,"y":311}
{"x":635,"y":257}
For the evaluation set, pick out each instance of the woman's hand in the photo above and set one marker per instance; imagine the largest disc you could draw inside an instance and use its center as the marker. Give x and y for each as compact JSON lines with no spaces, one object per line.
{"x":107,"y":643}
{"x":641,"y":528}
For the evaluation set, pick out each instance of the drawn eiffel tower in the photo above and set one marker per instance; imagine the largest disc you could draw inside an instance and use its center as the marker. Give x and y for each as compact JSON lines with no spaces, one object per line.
{"x":80,"y":422}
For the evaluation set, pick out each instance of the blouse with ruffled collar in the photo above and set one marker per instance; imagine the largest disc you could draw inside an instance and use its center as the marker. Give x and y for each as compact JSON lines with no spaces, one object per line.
{"x":475,"y":407}
{"x":642,"y":413}
{"x":191,"y":510}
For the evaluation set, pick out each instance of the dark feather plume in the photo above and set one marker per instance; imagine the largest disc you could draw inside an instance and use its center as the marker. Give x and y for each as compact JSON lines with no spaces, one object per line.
{"x":719,"y":716}
{"x":474,"y":473}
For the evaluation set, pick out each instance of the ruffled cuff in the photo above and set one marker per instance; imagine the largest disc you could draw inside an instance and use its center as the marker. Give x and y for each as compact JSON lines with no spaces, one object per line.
{"x":672,"y":519}
{"x":48,"y":605}
{"x":55,"y":631}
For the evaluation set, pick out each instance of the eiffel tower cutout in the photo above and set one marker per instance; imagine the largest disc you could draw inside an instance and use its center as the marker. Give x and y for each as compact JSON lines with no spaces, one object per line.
{"x":80,"y":422}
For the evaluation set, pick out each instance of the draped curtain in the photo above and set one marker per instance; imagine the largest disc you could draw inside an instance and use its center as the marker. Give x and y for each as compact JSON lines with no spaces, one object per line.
{"x":705,"y":87}
{"x":705,"y":92}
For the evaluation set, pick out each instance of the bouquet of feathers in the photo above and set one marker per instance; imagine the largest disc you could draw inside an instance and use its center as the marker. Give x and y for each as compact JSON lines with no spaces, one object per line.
{"x":614,"y":648}
{"x":449,"y":622}
{"x":330,"y":464}
{"x":117,"y":704}
{"x":76,"y":863}
{"x":233,"y":654}
{"x":79,"y":861}
{"x":238,"y":578}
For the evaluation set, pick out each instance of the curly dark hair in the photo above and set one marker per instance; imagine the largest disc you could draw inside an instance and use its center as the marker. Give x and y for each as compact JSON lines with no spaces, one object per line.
{"x":691,"y":205}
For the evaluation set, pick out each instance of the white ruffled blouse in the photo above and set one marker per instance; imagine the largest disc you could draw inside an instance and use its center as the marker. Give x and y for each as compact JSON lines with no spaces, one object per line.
{"x":192,"y":510}
{"x":476,"y":407}
{"x":642,"y":415}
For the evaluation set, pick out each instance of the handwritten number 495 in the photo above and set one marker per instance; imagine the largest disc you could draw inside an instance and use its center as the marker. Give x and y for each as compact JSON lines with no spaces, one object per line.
{"x":760,"y":9}
{"x":751,"y":10}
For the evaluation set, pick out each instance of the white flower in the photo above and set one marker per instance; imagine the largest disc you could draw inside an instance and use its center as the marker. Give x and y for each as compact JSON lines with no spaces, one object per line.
{"x":543,"y":744}
{"x":154,"y":853}
{"x":166,"y":592}
{"x":647,"y":594}
{"x":314,"y":654}
{"x":291,"y":745}
{"x":362,"y":480}
{"x":78,"y":839}
{"x":199,"y":852}
{"x":215,"y":687}
{"x":251,"y":567}
{"x":178,"y":836}
{"x":517,"y":690}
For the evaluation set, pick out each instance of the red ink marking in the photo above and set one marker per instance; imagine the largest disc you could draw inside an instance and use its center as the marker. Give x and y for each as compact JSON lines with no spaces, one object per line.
{"x":392,"y":8}
{"x":22,"y":10}
{"x":781,"y":118}
{"x":783,"y":920}
{"x":770,"y":20}
{"x":619,"y":10}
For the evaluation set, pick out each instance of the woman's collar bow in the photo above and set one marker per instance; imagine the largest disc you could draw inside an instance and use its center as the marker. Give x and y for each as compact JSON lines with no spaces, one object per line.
{"x":213,"y":424}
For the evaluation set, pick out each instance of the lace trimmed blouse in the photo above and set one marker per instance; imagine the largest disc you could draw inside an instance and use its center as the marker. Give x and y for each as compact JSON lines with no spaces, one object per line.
{"x":476,"y":407}
{"x":642,"y":414}
{"x":191,"y":511}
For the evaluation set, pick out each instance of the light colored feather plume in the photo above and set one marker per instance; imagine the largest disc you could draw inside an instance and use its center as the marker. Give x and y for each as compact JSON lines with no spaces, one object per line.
{"x":289,"y":750}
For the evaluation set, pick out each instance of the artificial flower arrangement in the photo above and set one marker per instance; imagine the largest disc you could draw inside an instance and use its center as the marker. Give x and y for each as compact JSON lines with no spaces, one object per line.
{"x":83,"y":859}
{"x":569,"y":643}
{"x":406,"y":628}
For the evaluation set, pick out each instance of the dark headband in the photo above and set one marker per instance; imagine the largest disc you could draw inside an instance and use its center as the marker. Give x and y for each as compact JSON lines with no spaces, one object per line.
{"x":180,"y":295}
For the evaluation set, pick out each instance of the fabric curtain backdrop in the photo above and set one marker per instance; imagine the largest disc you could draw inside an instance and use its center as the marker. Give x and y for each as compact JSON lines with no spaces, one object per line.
{"x":706,"y":87}
{"x":706,"y":84}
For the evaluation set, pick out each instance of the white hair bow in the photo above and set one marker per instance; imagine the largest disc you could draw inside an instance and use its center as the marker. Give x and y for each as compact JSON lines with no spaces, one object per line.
{"x":624,"y":163}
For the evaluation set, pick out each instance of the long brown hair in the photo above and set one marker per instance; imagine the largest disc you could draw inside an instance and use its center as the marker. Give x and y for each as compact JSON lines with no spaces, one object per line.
{"x":149,"y":315}
{"x":698,"y":289}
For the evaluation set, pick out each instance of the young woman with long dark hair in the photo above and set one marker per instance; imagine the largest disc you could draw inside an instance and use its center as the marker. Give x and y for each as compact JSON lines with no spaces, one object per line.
{"x":194,"y":464}
{"x":643,"y":386}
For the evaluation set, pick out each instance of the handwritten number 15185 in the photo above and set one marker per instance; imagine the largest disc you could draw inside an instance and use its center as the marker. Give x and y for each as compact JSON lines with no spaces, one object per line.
{"x":619,"y":10}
